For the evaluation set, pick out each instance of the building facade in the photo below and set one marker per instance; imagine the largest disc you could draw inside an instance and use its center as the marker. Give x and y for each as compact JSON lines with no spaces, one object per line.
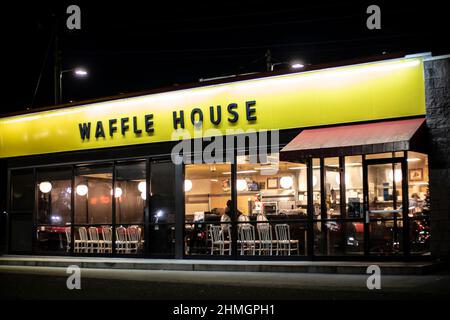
{"x":349,"y":162}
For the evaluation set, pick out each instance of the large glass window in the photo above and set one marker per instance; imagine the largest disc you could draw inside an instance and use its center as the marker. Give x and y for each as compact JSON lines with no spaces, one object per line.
{"x":93,"y":209}
{"x":419,"y":210}
{"x":272,"y":212}
{"x":54,"y":210}
{"x":207,"y":189}
{"x":22,"y":199}
{"x":339,"y":228}
{"x":22,"y":190}
{"x":354,"y":195}
{"x":162,"y":208}
{"x":317,"y":200}
{"x":130,"y":197}
{"x":93,"y":195}
{"x":385,"y":208}
{"x":354,"y":187}
{"x":332,"y":187}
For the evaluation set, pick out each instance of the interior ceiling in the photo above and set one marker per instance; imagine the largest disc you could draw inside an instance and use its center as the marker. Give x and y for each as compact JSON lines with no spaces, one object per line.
{"x":219,"y":171}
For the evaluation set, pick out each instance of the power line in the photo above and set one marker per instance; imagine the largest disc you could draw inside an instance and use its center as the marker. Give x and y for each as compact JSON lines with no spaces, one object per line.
{"x":272,"y":45}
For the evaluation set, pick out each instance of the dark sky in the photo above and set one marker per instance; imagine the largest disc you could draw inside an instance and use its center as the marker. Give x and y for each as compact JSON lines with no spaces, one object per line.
{"x":138,"y":45}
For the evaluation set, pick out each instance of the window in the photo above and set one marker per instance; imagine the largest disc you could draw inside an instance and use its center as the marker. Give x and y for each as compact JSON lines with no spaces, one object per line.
{"x":162,"y":210}
{"x":386,"y":202}
{"x":93,"y":209}
{"x":130,"y":196}
{"x":22,"y":199}
{"x":419,"y":210}
{"x":207,"y":189}
{"x":332,"y":187}
{"x":272,"y":204}
{"x":54,"y":210}
{"x":339,"y":229}
{"x":22,"y":190}
{"x":354,"y":187}
{"x":317,"y":200}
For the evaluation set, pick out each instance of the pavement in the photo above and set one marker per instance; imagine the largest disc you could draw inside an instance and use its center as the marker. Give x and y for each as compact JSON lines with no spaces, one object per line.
{"x":273,"y":266}
{"x":31,"y":282}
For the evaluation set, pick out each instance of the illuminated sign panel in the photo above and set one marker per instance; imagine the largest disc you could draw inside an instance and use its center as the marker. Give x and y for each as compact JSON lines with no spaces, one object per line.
{"x":372,"y":91}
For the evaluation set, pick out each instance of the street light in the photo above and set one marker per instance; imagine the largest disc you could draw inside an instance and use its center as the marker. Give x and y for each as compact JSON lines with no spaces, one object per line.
{"x":81,"y":72}
{"x":292,"y":65}
{"x":297,"y":66}
{"x":78,"y":72}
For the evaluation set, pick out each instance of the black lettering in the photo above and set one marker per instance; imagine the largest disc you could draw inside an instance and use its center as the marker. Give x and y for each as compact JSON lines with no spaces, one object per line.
{"x":99,"y":131}
{"x":178,"y":120}
{"x":85,"y":130}
{"x":250,"y":110}
{"x":200,"y":116}
{"x":124,"y":126}
{"x":136,"y":130}
{"x":219,"y":115}
{"x":149,"y":123}
{"x":232,"y":112}
{"x":112,"y":127}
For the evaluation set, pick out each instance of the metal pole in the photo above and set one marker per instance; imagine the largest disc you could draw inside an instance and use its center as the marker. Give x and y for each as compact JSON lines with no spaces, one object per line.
{"x":60,"y":87}
{"x":57,"y":64}
{"x":269,"y":60}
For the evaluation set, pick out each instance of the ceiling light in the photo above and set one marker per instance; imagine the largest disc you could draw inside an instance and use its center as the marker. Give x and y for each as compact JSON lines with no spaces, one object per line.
{"x":187,"y":185}
{"x":82,"y":190}
{"x":45,"y":187}
{"x":286,"y":182}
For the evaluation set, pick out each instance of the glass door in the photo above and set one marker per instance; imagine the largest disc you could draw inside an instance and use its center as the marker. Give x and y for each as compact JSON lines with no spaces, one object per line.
{"x":384,"y":206}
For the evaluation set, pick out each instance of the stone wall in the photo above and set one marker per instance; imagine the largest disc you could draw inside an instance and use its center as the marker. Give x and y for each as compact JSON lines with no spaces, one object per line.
{"x":437,"y":88}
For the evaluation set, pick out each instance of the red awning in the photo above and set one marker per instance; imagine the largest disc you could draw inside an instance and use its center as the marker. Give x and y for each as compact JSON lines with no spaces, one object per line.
{"x":386,"y":136}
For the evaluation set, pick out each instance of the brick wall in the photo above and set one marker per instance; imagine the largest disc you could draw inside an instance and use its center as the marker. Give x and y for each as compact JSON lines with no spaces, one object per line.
{"x":437,"y":86}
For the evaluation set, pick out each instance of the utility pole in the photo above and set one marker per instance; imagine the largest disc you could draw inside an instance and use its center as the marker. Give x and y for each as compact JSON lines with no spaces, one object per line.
{"x":57,"y":63}
{"x":269,"y":60}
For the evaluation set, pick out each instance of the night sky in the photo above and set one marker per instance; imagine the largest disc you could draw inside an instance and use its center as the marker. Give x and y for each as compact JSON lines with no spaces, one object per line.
{"x":129,"y":46}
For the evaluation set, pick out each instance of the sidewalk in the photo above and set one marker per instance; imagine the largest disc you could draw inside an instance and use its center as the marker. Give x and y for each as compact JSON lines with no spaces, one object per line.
{"x":325,"y":267}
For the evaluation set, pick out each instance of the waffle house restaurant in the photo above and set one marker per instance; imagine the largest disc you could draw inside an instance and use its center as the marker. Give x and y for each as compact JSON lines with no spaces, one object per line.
{"x":346,"y":173}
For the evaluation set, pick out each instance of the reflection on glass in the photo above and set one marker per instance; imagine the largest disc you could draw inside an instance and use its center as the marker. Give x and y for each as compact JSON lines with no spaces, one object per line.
{"x":131,"y":181}
{"x":337,"y":237}
{"x":22,"y":193}
{"x":54,"y":197}
{"x":162,"y":208}
{"x":53,"y":209}
{"x":94,"y":194}
{"x":95,"y":206}
{"x":130,"y":197}
{"x":385,"y":237}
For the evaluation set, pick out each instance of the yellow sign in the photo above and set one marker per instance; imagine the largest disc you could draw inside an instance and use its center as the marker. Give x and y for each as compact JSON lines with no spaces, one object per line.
{"x":372,"y":91}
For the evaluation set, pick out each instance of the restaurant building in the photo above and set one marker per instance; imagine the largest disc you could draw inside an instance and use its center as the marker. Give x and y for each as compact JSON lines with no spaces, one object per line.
{"x":351,"y":162}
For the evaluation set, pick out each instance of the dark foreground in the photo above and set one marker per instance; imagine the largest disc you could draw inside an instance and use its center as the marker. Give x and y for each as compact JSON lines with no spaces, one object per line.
{"x":50,"y":283}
